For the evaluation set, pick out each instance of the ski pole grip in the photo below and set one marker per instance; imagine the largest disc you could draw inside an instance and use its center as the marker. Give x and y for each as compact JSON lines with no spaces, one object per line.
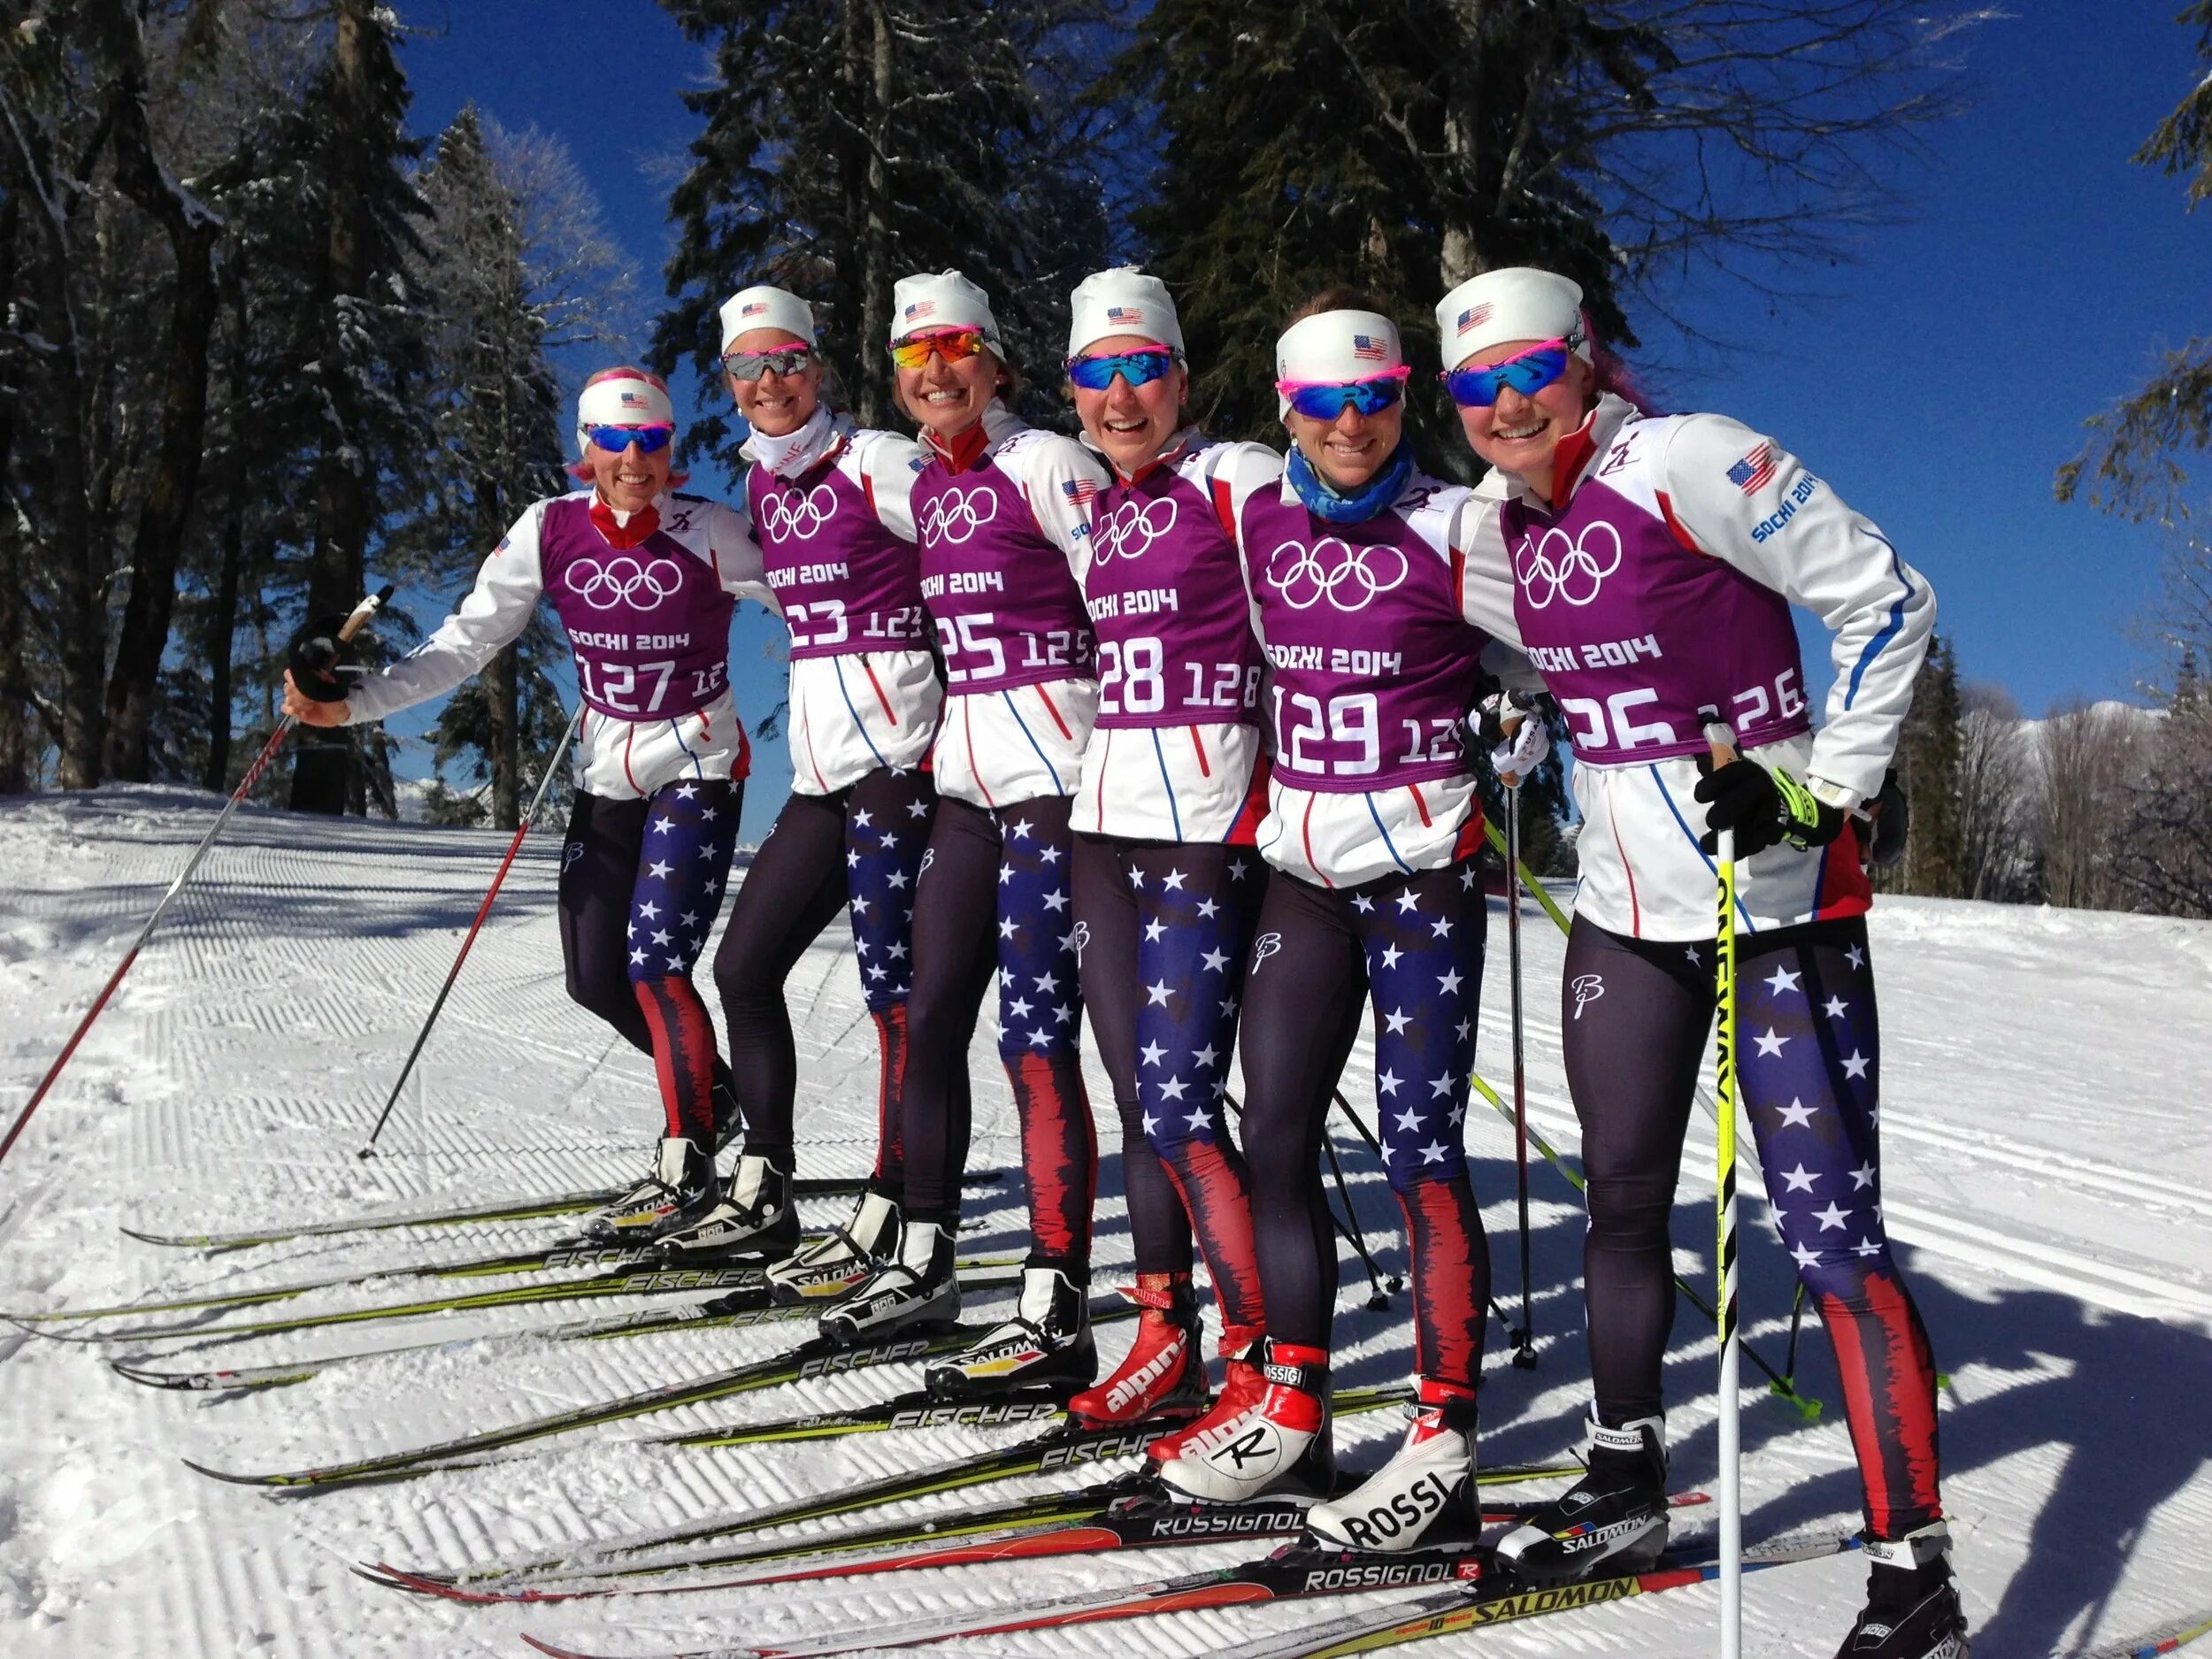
{"x":1719,"y":737}
{"x":359,"y":616}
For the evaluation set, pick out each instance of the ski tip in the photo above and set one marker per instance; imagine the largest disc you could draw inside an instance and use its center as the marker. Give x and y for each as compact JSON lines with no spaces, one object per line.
{"x":166,"y":1241}
{"x":232,"y":1479}
{"x":151,"y":1379}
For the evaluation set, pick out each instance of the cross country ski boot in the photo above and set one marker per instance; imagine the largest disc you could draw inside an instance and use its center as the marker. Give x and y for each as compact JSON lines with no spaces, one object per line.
{"x":1422,"y":1489}
{"x":1281,"y":1445}
{"x":1242,"y":1388}
{"x":1046,"y":1347}
{"x":829,"y":1269}
{"x":1615,"y":1517}
{"x":916,"y":1291}
{"x":1163,"y":1374}
{"x":754,"y":1216}
{"x":679,"y":1192}
{"x":1912,"y":1602}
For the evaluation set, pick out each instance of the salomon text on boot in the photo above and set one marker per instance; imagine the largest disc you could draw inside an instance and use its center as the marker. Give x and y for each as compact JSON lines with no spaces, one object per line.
{"x":831,"y":1268}
{"x":679,"y":1192}
{"x":1613,"y":1519}
{"x":916,"y":1291}
{"x":1046,"y":1347}
{"x":1912,"y":1602}
{"x":1421,"y":1490}
{"x":754,"y":1216}
{"x":1281,"y":1445}
{"x":1163,"y":1375}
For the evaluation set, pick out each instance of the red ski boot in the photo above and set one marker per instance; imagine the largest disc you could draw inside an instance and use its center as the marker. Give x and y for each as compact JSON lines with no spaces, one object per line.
{"x":1163,"y":1374}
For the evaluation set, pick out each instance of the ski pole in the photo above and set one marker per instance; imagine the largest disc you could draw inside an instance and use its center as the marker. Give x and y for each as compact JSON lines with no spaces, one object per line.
{"x":1378,"y":1298}
{"x":1723,"y":743}
{"x":1374,"y":1146}
{"x":1523,"y":1335}
{"x":545,"y":784}
{"x":1782,"y":1388}
{"x":352,"y":626}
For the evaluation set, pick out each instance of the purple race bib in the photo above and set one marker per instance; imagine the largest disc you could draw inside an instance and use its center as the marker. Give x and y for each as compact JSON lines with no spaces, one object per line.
{"x":1175,"y":642}
{"x":1374,"y":668}
{"x":649,"y":625}
{"x":1005,"y":605}
{"x":846,"y":583}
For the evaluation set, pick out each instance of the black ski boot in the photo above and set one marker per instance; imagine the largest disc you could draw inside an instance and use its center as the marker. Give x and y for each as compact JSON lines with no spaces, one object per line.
{"x":831,"y":1267}
{"x":679,"y":1192}
{"x":1912,"y":1602}
{"x":754,"y":1217}
{"x":1046,"y":1347}
{"x":916,"y":1291}
{"x":1613,"y":1519}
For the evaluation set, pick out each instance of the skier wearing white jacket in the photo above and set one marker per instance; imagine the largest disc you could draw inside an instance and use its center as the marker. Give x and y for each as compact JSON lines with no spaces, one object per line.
{"x":1002,"y":511}
{"x":829,"y":505}
{"x":1654,"y":561}
{"x":644,"y":580}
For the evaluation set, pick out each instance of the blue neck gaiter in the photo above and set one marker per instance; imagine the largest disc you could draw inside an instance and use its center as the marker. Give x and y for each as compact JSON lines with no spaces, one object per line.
{"x":1324,"y":502}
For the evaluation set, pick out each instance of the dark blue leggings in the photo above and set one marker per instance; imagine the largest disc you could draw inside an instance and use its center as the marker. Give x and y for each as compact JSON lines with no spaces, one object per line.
{"x":641,"y":884}
{"x":1635,"y":1015}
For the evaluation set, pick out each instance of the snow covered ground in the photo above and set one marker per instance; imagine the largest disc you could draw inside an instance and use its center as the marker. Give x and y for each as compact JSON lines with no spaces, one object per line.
{"x":2048,"y":1117}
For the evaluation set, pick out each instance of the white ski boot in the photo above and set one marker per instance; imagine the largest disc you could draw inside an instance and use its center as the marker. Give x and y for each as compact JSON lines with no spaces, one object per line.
{"x":679,"y":1192}
{"x":831,"y":1268}
{"x":1281,"y":1445}
{"x":1422,"y":1487}
{"x":754,"y":1215}
{"x":916,"y":1291}
{"x":1046,"y":1347}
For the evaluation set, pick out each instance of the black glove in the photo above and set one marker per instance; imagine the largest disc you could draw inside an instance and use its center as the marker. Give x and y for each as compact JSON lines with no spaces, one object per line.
{"x":1491,"y":713}
{"x":1892,"y":822}
{"x":1763,"y":807}
{"x":324,"y":666}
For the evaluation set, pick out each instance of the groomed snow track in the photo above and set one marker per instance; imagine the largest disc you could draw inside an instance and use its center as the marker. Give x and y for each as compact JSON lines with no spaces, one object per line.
{"x":2047,"y":1106}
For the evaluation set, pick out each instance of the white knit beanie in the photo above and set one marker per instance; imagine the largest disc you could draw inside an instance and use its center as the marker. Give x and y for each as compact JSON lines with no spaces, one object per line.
{"x":1517,"y":303}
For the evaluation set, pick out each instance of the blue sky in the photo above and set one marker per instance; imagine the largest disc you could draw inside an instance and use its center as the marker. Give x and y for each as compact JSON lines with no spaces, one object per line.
{"x":1936,"y":381}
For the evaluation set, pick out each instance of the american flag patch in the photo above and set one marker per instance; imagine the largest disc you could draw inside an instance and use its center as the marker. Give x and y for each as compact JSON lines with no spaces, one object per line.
{"x":753,"y":309}
{"x":921,"y":308}
{"x":635,"y":400}
{"x":1754,"y":471}
{"x":1080,"y":492}
{"x":1124,"y":314}
{"x":1370,"y":349}
{"x":1474,"y":316}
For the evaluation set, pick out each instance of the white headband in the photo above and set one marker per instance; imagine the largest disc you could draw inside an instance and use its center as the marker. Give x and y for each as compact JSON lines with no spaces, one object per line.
{"x":944,"y":299}
{"x":761,"y":306}
{"x":1337,"y":347}
{"x":1122,"y":300}
{"x":622,"y":400}
{"x":1519,"y":302}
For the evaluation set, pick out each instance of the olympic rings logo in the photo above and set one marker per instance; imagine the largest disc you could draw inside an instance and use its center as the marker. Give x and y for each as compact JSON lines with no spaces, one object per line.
{"x":1130,"y":530}
{"x":1554,"y":566}
{"x":622,"y":579}
{"x":1349,"y":582}
{"x":798,"y":515}
{"x":958,"y":514}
